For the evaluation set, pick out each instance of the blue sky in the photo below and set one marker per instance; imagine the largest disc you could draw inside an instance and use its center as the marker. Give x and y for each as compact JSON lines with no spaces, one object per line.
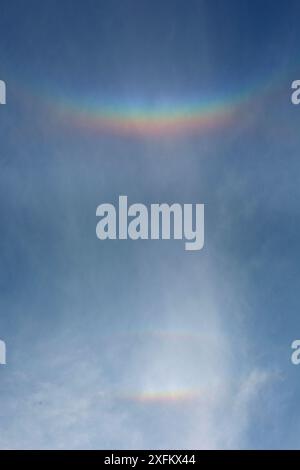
{"x":123,"y":344}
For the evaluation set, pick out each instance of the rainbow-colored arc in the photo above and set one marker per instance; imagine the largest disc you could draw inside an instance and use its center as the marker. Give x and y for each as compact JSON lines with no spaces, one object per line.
{"x":161,"y":116}
{"x":157,"y":120}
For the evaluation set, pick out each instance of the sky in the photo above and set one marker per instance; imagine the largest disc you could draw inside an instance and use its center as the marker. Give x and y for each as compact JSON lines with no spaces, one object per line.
{"x":123,"y":344}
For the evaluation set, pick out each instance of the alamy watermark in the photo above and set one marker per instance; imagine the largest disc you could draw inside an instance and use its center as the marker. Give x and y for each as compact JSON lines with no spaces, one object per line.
{"x":295,"y":357}
{"x":160,"y":221}
{"x":2,"y":92}
{"x":2,"y":353}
